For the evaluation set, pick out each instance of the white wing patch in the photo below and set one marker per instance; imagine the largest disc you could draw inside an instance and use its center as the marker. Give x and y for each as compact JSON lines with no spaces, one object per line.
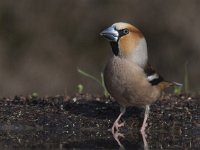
{"x":152,"y":77}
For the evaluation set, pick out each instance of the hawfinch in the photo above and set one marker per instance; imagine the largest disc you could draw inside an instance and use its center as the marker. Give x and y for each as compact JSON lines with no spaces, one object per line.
{"x":128,"y":77}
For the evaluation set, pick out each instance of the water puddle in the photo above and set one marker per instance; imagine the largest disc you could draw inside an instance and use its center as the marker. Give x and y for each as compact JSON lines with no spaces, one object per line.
{"x":56,"y":139}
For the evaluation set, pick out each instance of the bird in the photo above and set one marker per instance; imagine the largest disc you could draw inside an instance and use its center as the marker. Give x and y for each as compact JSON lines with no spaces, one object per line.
{"x":128,"y":76}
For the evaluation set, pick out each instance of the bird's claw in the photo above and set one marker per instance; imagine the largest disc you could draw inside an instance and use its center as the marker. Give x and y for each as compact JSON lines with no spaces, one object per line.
{"x":116,"y":127}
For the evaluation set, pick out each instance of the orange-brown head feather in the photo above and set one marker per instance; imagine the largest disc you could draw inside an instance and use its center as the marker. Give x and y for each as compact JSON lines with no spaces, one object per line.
{"x":129,"y":41}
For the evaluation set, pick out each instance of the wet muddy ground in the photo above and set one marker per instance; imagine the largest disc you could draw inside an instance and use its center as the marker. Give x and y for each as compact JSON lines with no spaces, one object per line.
{"x":83,"y":122}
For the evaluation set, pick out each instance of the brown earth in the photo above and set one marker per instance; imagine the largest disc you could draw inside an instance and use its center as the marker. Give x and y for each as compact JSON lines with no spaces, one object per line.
{"x":83,"y":121}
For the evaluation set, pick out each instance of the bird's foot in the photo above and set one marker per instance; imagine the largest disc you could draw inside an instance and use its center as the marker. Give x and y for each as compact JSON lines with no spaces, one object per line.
{"x":116,"y":126}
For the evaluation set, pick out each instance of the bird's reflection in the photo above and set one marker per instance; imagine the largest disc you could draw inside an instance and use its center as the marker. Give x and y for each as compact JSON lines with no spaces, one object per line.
{"x":146,"y":146}
{"x":119,"y":136}
{"x":116,"y":136}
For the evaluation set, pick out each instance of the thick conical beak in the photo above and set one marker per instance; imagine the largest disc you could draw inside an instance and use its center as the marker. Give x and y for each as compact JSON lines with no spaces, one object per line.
{"x":110,"y":34}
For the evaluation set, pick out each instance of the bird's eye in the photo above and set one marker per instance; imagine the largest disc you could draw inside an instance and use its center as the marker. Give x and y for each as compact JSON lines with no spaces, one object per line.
{"x":125,"y":31}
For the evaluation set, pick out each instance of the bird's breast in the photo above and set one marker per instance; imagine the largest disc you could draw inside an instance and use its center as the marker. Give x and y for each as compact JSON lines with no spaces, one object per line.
{"x":127,"y":83}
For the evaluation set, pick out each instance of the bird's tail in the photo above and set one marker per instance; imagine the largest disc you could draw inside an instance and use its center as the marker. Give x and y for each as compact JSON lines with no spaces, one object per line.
{"x":165,"y":84}
{"x":176,"y":84}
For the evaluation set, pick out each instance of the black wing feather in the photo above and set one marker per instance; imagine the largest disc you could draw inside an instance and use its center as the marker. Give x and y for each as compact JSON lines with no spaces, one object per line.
{"x":152,"y":76}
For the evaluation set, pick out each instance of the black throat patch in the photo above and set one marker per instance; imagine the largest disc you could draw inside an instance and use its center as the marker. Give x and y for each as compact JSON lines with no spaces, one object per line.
{"x":115,"y":48}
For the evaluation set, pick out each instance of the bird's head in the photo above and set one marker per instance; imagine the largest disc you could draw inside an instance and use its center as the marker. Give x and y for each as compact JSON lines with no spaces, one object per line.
{"x":127,"y":42}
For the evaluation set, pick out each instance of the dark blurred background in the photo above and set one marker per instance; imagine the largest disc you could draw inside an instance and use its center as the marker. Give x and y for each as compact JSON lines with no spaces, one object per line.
{"x":43,"y":42}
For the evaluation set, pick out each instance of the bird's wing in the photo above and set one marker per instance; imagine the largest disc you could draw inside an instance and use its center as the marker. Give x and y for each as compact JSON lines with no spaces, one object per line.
{"x":152,"y":76}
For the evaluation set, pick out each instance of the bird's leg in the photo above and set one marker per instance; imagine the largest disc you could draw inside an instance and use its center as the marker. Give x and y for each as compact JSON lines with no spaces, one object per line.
{"x":116,"y":124}
{"x":146,"y":115}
